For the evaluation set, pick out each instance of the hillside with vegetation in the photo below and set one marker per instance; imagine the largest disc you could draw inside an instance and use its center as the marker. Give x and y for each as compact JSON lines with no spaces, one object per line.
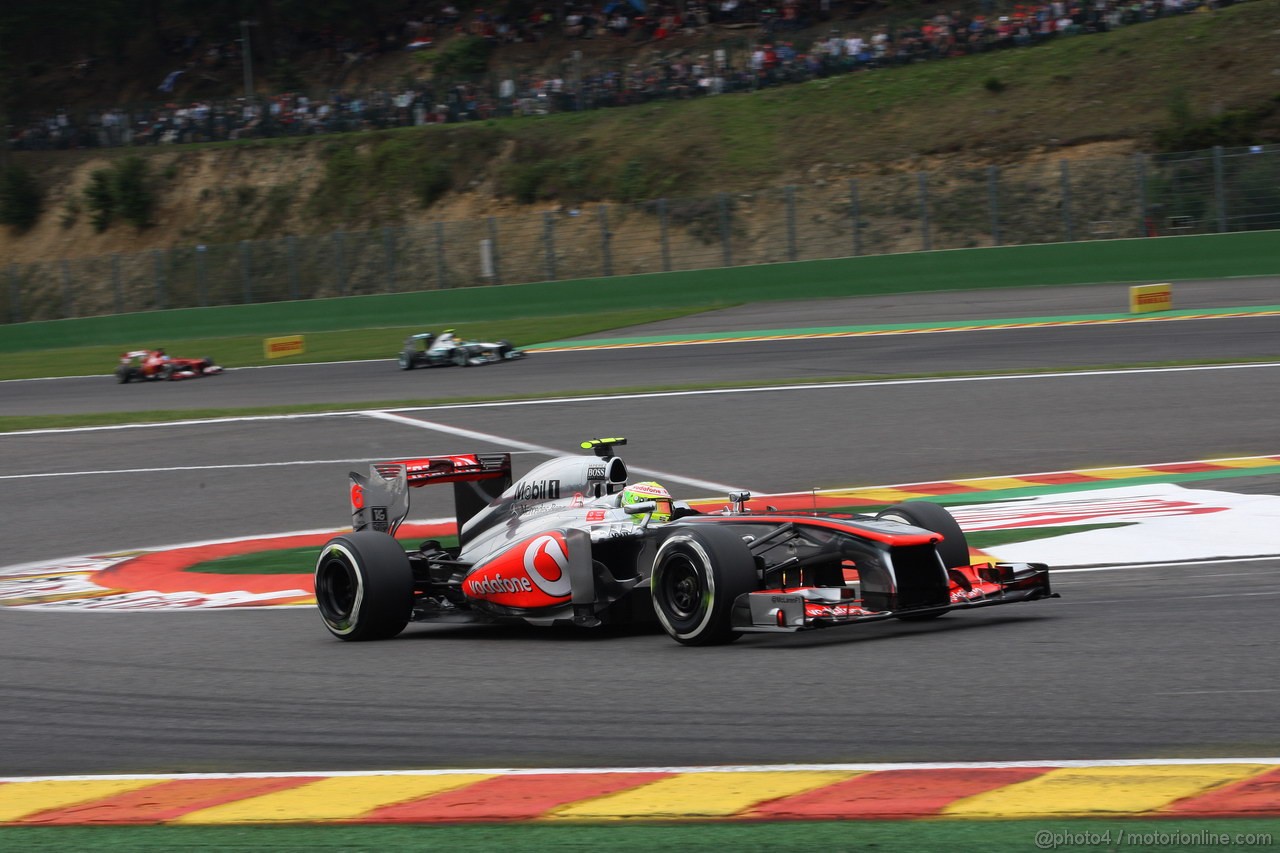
{"x":1187,"y":82}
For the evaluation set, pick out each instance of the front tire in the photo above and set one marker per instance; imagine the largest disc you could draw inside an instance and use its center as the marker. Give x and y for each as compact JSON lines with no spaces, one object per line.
{"x":460,"y":357}
{"x":697,"y":575}
{"x":364,"y":586}
{"x":953,"y":549}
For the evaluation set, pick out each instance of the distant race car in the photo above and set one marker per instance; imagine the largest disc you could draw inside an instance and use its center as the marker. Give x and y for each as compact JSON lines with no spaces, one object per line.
{"x":431,"y":350}
{"x":156,"y":364}
{"x":560,"y":546}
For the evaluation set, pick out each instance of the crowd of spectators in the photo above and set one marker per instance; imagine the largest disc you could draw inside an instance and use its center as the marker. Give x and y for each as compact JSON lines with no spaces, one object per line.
{"x":771,"y":53}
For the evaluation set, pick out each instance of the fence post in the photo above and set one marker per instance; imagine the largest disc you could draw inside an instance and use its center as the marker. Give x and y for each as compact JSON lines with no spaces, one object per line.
{"x":1067,"y":233}
{"x":606,"y":257}
{"x":1219,"y":189}
{"x":1140,"y":172}
{"x":246,"y":271}
{"x":791,"y":223}
{"x":549,"y":243}
{"x":662,"y":228}
{"x":340,"y":261}
{"x":115,"y":283}
{"x":201,"y":251}
{"x":15,"y":303}
{"x":389,"y":254}
{"x":291,"y":247}
{"x":68,"y":297}
{"x":159,"y":265}
{"x":725,"y":243}
{"x":856,"y":216}
{"x":441,"y":271}
{"x":922,"y":179}
{"x":993,"y":201}
{"x":497,"y":255}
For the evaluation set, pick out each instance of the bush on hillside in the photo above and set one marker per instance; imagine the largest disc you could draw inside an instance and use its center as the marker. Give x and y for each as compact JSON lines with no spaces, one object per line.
{"x":122,"y":190}
{"x":20,"y":198}
{"x":467,"y":56}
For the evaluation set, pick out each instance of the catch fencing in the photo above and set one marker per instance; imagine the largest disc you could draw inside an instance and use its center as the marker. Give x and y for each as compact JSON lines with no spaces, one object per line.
{"x":1215,"y":191}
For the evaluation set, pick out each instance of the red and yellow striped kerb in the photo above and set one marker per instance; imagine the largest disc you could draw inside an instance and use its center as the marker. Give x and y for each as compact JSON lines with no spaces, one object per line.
{"x":1189,"y":789}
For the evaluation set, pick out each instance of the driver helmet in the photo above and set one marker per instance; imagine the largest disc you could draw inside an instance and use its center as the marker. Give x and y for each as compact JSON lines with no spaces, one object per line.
{"x":648,"y":491}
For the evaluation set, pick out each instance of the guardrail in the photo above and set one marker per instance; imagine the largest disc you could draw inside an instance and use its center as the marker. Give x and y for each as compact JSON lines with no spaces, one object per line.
{"x":1133,"y":260}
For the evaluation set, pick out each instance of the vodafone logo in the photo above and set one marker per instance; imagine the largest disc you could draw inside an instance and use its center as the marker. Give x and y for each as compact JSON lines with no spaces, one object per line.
{"x":547,"y":565}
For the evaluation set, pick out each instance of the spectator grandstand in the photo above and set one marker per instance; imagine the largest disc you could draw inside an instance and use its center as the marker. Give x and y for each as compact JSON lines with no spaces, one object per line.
{"x":779,"y":43}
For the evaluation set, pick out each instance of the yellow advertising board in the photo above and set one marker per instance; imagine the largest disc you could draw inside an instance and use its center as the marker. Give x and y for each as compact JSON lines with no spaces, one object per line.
{"x":1150,"y":297}
{"x":283,"y":346}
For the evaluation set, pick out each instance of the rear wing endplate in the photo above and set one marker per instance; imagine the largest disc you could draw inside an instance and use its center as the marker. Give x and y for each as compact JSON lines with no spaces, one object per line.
{"x":381,"y":500}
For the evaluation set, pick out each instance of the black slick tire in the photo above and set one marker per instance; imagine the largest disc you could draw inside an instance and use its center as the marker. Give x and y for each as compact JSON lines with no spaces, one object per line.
{"x":954,"y":547}
{"x":697,"y":575}
{"x":364,"y":586}
{"x":406,"y":361}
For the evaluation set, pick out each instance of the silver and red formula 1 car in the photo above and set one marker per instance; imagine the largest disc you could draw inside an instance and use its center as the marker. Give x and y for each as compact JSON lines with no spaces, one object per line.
{"x":559,"y":546}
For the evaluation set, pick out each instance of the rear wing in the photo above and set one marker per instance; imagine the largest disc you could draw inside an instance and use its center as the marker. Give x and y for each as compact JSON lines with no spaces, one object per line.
{"x":381,"y":500}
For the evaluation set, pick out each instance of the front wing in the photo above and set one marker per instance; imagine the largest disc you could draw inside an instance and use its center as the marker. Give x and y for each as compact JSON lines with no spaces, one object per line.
{"x":805,"y":608}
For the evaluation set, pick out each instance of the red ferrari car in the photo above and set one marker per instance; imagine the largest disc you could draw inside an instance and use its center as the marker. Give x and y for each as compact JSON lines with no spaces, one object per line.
{"x":157,"y":364}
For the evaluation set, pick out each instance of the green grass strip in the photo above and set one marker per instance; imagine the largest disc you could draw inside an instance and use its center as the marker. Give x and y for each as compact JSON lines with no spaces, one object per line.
{"x":345,"y":344}
{"x":1127,"y":834}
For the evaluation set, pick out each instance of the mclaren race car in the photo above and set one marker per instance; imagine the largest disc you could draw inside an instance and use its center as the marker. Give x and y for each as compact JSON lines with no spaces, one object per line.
{"x":157,"y":364}
{"x":430,"y":350}
{"x":562,"y":546}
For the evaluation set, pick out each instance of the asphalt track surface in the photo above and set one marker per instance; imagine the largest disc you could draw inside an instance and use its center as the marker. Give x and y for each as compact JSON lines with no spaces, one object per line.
{"x":1140,"y":662}
{"x":808,"y":359}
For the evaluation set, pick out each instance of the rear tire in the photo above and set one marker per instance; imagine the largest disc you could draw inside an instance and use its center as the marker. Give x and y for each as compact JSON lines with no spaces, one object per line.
{"x":697,"y":575}
{"x":124,"y":374}
{"x":406,"y":361}
{"x":364,"y":586}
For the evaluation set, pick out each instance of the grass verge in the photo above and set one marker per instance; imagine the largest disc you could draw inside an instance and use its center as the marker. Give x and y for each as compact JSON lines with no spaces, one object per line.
{"x":1128,"y":834}
{"x":343,"y":345}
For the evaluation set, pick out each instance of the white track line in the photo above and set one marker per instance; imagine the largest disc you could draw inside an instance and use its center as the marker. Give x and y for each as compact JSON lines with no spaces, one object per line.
{"x":732,"y":768}
{"x":500,"y":441}
{"x":812,"y":386}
